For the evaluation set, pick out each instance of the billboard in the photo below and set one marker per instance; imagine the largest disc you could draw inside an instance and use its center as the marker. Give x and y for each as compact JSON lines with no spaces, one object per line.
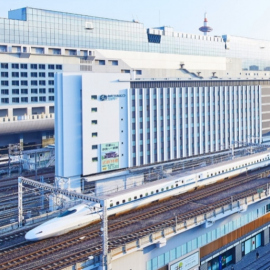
{"x":109,"y":156}
{"x":186,"y":263}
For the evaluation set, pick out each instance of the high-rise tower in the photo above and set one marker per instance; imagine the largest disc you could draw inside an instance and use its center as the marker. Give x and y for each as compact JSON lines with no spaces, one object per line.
{"x":205,"y":28}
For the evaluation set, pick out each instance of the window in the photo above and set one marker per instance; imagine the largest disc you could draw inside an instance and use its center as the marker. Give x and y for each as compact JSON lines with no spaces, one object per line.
{"x":34,"y":74}
{"x":123,"y":201}
{"x":94,"y":159}
{"x":24,"y":91}
{"x":42,"y":74}
{"x":51,"y":98}
{"x":4,"y":65}
{"x":125,"y":71}
{"x":4,"y":100}
{"x":33,"y":66}
{"x":4,"y":92}
{"x":15,"y":100}
{"x":41,"y":66}
{"x":94,"y":97}
{"x":34,"y":99}
{"x":24,"y":83}
{"x":42,"y":82}
{"x":15,"y":66}
{"x":23,"y":66}
{"x":33,"y":91}
{"x":4,"y":74}
{"x":24,"y":74}
{"x":94,"y":134}
{"x":50,"y":66}
{"x":15,"y":91}
{"x":15,"y":74}
{"x":51,"y":90}
{"x":42,"y":91}
{"x":117,"y":203}
{"x":59,"y":67}
{"x":114,"y":63}
{"x":42,"y":98}
{"x":4,"y":83}
{"x":138,"y":72}
{"x":94,"y":122}
{"x":33,"y":82}
{"x":101,"y":62}
{"x":94,"y":110}
{"x":135,"y":197}
{"x":94,"y":147}
{"x":50,"y":74}
{"x":15,"y":83}
{"x":51,"y":82}
{"x":24,"y":99}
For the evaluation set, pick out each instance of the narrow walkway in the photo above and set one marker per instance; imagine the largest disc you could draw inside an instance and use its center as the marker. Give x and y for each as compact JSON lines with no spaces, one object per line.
{"x":250,"y":262}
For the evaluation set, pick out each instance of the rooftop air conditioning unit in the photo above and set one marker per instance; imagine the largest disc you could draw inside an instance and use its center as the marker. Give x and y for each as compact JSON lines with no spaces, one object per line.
{"x":89,"y":25}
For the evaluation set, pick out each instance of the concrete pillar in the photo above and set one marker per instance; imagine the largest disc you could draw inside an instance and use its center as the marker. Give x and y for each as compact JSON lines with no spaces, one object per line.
{"x":21,"y":141}
{"x":238,"y":253}
{"x":47,"y":109}
{"x":204,"y":266}
{"x":10,"y":112}
{"x":29,"y":110}
{"x":265,"y":237}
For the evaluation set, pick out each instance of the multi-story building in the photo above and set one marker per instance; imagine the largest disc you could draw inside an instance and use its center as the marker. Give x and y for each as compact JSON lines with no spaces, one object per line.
{"x":34,"y":44}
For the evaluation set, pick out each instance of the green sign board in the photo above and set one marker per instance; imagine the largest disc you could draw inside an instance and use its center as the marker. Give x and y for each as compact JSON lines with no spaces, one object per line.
{"x":109,"y":156}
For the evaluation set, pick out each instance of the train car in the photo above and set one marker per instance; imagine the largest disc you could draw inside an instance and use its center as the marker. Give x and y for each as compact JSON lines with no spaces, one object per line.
{"x":126,"y":200}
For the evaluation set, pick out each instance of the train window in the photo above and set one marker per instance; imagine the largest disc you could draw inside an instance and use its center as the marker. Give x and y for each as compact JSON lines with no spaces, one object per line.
{"x":162,"y":189}
{"x":135,"y":197}
{"x":177,"y":185}
{"x":152,"y":192}
{"x":223,"y":171}
{"x":171,"y":186}
{"x":146,"y":194}
{"x":167,"y":188}
{"x":68,"y":212}
{"x":117,"y":203}
{"x":111,"y":205}
{"x":215,"y":173}
{"x":123,"y":201}
{"x":182,"y":181}
{"x":218,"y":172}
{"x":157,"y":191}
{"x":233,"y":168}
{"x":141,"y":196}
{"x":129,"y":199}
{"x":199,"y":177}
{"x":207,"y":175}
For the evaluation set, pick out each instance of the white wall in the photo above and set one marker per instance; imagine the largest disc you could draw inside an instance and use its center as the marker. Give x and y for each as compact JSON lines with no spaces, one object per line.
{"x":139,"y":60}
{"x":111,"y":116}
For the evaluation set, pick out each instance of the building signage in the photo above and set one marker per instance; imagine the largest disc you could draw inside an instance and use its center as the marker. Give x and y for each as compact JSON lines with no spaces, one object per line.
{"x":110,"y":97}
{"x":109,"y":156}
{"x":186,"y":263}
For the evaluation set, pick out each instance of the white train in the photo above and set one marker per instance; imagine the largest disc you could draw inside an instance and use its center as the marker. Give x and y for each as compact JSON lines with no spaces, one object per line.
{"x":83,"y":214}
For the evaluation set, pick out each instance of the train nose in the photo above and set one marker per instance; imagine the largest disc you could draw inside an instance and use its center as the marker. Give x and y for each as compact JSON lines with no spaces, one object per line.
{"x":34,"y":235}
{"x":30,"y":236}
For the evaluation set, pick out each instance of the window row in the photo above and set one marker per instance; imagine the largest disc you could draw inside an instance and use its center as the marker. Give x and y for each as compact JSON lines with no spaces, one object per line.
{"x":25,"y":91}
{"x":25,"y":83}
{"x":26,"y":99}
{"x":238,"y":167}
{"x":5,"y":74}
{"x":31,"y":66}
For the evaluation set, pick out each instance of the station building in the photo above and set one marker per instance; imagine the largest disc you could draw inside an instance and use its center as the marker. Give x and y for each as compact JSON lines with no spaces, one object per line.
{"x":35,"y":44}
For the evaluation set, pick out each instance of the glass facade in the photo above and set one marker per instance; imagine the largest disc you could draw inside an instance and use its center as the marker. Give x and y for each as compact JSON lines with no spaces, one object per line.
{"x":224,"y":259}
{"x":52,"y":28}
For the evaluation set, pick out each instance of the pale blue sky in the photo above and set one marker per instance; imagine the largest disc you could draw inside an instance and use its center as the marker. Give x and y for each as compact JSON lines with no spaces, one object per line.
{"x":249,"y":18}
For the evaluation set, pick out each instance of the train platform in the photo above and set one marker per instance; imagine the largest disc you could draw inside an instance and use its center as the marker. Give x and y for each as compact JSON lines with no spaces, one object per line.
{"x":251,"y":262}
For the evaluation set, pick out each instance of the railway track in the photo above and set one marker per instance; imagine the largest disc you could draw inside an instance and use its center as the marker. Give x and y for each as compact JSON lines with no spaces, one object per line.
{"x":49,"y":248}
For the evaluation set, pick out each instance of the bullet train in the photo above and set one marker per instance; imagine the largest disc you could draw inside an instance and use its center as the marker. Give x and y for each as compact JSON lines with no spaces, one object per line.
{"x":125,"y":200}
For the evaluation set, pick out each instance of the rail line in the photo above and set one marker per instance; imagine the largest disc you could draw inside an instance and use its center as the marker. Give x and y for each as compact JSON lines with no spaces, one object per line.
{"x":116,"y":225}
